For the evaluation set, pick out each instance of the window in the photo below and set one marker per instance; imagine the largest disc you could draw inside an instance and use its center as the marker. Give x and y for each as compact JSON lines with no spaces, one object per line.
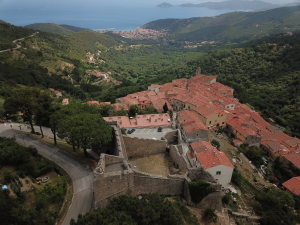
{"x":209,"y":122}
{"x":189,"y":107}
{"x":222,"y":122}
{"x":215,"y":120}
{"x":221,"y":115}
{"x":197,"y":134}
{"x":218,"y":173}
{"x":218,"y":115}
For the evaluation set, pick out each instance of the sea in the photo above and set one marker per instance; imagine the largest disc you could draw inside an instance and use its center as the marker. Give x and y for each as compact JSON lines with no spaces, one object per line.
{"x":94,"y":14}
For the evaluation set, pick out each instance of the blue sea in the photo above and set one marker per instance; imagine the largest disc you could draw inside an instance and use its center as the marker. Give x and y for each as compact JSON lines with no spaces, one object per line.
{"x":94,"y":14}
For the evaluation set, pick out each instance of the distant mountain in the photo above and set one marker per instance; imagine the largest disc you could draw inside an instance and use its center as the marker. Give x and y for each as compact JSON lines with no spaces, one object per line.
{"x":256,"y":5}
{"x":239,"y":5}
{"x":165,"y":5}
{"x":292,"y":4}
{"x":54,"y":28}
{"x":231,"y":27}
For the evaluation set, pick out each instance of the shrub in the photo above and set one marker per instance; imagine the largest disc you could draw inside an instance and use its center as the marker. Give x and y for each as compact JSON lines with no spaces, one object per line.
{"x":215,"y":143}
{"x":226,"y":198}
{"x":210,"y":215}
{"x":8,"y":176}
{"x":37,"y":133}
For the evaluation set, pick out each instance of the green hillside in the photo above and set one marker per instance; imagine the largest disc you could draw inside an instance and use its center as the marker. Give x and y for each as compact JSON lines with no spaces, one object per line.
{"x":8,"y":33}
{"x":231,"y":27}
{"x":54,"y":28}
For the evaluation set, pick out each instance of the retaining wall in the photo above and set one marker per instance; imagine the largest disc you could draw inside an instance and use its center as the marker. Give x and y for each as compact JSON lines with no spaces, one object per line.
{"x":139,"y":147}
{"x":177,"y":157}
{"x":146,"y":183}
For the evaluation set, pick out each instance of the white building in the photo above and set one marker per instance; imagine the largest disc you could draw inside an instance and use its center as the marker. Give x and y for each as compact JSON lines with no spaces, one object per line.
{"x":213,"y":161}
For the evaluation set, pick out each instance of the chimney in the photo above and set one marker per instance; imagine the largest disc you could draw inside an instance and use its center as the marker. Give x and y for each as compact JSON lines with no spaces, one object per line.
{"x":213,"y":164}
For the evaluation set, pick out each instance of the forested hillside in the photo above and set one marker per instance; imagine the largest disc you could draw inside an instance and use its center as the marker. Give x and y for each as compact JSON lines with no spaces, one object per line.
{"x":231,"y":27}
{"x":54,"y":28}
{"x":8,"y":33}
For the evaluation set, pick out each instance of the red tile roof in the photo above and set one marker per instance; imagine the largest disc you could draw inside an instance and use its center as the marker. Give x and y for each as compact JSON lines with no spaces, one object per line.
{"x":293,"y":158}
{"x":93,"y":102}
{"x":293,"y":185}
{"x":212,"y":158}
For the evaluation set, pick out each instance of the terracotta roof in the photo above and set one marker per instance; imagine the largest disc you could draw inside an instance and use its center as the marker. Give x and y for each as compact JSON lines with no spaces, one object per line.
{"x":142,"y":121}
{"x":201,"y":146}
{"x":189,"y":121}
{"x":93,"y":102}
{"x":293,"y":185}
{"x":105,"y":103}
{"x":212,"y":158}
{"x":293,"y":158}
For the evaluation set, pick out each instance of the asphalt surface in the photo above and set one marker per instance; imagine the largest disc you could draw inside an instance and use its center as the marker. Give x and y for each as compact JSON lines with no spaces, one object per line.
{"x":149,"y":133}
{"x":80,"y":173}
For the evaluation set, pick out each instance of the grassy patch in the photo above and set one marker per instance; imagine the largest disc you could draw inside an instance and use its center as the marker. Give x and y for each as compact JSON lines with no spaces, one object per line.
{"x":155,"y":164}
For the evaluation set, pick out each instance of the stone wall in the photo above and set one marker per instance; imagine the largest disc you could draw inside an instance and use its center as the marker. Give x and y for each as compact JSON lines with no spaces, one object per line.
{"x":172,"y":137}
{"x":213,"y":200}
{"x":107,"y":185}
{"x":200,"y":174}
{"x":146,"y":183}
{"x":119,"y":145}
{"x":111,"y":159}
{"x":180,"y":161}
{"x":138,"y":147}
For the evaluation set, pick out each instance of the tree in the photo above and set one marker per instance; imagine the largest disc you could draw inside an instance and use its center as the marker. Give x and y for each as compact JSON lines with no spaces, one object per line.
{"x":43,"y":111}
{"x":165,"y":107}
{"x":133,"y":110}
{"x":27,"y":101}
{"x":277,"y":207}
{"x":215,"y":143}
{"x":82,"y":125}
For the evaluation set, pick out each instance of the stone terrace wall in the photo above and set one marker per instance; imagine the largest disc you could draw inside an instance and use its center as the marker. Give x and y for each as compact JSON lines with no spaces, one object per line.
{"x":177,"y":157}
{"x":138,"y":147}
{"x":145,"y":183}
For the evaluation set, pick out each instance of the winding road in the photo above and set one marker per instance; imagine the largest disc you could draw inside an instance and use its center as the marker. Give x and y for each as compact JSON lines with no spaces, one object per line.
{"x":80,"y":173}
{"x":18,"y":46}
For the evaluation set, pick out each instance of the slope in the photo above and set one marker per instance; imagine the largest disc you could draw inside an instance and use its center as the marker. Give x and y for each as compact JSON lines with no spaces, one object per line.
{"x":231,"y":27}
{"x":54,"y":28}
{"x":8,"y":33}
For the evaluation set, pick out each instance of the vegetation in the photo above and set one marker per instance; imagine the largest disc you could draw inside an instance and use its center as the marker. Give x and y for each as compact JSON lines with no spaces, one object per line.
{"x":230,"y":27}
{"x":10,"y":33}
{"x":27,"y":101}
{"x":81,"y":125}
{"x":199,"y":190}
{"x":209,"y":214}
{"x":54,"y":28}
{"x":151,"y":209}
{"x":44,"y":202}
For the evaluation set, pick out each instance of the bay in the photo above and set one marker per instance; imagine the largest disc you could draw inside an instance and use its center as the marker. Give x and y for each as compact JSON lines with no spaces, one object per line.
{"x":97,"y":16}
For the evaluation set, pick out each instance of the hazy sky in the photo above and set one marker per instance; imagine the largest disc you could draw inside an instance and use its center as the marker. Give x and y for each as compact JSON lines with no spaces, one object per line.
{"x":119,"y":2}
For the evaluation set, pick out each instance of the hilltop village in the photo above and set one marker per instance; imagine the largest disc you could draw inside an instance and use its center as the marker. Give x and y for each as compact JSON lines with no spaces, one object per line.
{"x":203,"y":104}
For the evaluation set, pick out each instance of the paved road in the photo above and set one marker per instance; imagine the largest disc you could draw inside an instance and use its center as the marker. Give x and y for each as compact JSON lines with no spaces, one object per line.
{"x":150,"y":133}
{"x":79,"y":172}
{"x":19,"y":46}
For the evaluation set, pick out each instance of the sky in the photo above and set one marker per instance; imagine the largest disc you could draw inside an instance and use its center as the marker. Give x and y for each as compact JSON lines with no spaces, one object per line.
{"x":118,"y":2}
